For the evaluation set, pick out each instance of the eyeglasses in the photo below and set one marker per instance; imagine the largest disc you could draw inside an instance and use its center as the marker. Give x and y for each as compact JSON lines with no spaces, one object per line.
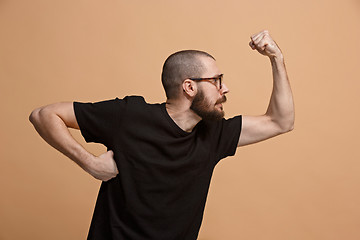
{"x":217,"y":81}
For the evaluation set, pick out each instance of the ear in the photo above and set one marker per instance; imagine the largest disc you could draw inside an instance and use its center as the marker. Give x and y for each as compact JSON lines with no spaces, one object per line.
{"x":189,"y":87}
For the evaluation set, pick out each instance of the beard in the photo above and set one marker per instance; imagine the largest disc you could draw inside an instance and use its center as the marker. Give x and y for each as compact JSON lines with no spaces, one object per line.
{"x":207,"y":111}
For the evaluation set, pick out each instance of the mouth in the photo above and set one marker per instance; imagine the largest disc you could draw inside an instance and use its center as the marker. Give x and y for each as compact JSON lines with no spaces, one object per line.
{"x":220,"y":102}
{"x":219,"y":105}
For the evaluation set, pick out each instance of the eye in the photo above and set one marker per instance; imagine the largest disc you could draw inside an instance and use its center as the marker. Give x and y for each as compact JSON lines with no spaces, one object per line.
{"x":215,"y":81}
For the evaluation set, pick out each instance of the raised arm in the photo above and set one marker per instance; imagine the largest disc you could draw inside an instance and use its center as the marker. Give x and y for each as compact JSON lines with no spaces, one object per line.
{"x":52,"y":123}
{"x":280,"y":114}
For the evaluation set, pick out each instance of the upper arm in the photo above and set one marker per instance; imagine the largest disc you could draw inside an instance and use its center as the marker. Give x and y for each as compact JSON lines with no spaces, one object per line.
{"x":258,"y":128}
{"x":63,"y":110}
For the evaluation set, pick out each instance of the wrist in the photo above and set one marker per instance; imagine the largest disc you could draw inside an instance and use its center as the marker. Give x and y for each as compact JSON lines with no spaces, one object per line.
{"x":90,"y":163}
{"x":277,"y":59}
{"x":277,"y":55}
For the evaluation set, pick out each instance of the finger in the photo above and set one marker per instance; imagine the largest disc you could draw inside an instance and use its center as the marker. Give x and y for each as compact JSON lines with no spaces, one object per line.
{"x":259,"y":34}
{"x":260,"y":37}
{"x":257,"y":40}
{"x":111,"y":153}
{"x":265,"y":40}
{"x":262,"y":44}
{"x":257,"y":37}
{"x":252,"y":45}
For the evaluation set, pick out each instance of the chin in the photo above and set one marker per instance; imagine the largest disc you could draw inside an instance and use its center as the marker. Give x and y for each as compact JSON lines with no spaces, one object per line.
{"x":221,"y":111}
{"x":217,"y":115}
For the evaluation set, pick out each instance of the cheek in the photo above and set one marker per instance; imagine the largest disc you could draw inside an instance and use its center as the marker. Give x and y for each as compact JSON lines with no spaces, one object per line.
{"x":209,"y":98}
{"x":209,"y":102}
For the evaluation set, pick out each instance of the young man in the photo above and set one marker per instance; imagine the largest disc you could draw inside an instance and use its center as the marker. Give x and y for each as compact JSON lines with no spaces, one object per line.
{"x":157,"y":170}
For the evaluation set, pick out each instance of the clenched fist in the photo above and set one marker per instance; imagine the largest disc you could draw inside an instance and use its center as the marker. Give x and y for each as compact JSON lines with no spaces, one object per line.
{"x":265,"y":45}
{"x":104,"y":167}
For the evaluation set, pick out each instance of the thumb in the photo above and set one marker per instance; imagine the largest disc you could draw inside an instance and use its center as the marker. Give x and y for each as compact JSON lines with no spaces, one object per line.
{"x":111,"y":153}
{"x":108,"y":154}
{"x":112,"y":157}
{"x":252,"y":45}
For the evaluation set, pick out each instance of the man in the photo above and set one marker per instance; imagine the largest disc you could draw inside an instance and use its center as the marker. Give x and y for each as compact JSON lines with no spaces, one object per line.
{"x":157,"y":170}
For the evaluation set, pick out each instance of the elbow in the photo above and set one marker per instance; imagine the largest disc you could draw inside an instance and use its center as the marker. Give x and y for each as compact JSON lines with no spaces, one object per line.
{"x":288,"y":127}
{"x":37,"y":115}
{"x":34,"y":116}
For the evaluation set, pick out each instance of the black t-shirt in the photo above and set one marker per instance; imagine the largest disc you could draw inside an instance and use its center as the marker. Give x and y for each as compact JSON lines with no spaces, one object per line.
{"x":164,"y":172}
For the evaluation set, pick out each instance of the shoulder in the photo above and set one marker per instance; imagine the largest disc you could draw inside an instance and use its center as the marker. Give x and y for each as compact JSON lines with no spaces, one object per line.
{"x":117,"y":100}
{"x":134,"y":103}
{"x":137,"y":106}
{"x":133,"y":99}
{"x":108,"y":107}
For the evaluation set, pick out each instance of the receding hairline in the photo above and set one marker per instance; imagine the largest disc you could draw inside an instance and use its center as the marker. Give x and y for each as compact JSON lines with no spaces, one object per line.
{"x":182,"y":65}
{"x":194,"y":52}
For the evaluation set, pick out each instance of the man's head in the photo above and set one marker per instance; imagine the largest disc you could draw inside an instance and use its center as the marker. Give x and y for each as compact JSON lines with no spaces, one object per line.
{"x":180,"y":66}
{"x":194,"y":75}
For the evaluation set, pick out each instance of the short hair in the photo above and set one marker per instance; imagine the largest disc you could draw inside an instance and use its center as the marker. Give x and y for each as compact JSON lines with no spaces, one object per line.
{"x":180,"y":66}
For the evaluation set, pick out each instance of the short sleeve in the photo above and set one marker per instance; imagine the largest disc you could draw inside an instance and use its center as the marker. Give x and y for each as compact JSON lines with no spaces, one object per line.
{"x":227,"y":134}
{"x":99,"y":121}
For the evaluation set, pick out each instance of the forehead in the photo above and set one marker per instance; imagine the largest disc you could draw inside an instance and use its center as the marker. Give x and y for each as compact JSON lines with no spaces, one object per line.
{"x":210,"y":67}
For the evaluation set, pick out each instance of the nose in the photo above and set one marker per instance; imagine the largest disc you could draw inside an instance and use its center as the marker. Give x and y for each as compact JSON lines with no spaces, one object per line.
{"x":224,"y":89}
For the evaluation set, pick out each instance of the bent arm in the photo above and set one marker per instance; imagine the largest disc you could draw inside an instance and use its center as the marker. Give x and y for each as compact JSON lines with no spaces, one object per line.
{"x":52,"y":122}
{"x":280,"y":115}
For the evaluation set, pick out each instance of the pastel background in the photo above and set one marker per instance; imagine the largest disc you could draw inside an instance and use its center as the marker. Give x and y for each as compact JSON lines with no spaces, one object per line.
{"x":301,"y":185}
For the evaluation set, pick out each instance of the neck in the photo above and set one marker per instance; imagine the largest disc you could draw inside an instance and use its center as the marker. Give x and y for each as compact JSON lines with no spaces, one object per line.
{"x":182,"y":115}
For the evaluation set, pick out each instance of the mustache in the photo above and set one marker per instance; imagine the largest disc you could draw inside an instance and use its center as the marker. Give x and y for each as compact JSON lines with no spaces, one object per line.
{"x":221,"y":100}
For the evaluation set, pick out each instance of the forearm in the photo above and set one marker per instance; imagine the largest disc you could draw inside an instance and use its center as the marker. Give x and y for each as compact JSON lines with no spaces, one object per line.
{"x":281,"y":105}
{"x":54,"y":131}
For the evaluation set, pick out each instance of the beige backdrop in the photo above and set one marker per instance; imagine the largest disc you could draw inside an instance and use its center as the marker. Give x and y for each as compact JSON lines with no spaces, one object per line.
{"x":302,"y":185}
